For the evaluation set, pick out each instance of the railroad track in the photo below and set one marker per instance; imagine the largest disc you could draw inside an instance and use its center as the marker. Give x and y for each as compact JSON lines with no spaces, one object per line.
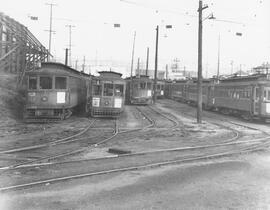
{"x":82,"y":137}
{"x":160,"y":117}
{"x":95,"y":141}
{"x":144,"y":160}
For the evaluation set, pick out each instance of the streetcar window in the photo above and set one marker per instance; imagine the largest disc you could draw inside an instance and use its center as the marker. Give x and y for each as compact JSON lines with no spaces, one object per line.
{"x":268,"y":96}
{"x":45,"y":83}
{"x":60,"y":83}
{"x":118,"y":90}
{"x":135,"y":86}
{"x":149,"y":85}
{"x":257,"y":93}
{"x":96,"y":90}
{"x":142,"y":85}
{"x":32,"y":85}
{"x":108,"y":89}
{"x":158,"y":87}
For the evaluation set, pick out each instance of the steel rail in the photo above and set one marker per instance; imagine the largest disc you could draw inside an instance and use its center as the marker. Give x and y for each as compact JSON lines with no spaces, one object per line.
{"x":131,"y":168}
{"x":38,"y":146}
{"x":116,"y":132}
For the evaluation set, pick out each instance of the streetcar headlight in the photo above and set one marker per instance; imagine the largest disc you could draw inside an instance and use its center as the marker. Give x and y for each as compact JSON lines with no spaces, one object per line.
{"x":95,"y":102}
{"x":117,"y":102}
{"x":44,"y":98}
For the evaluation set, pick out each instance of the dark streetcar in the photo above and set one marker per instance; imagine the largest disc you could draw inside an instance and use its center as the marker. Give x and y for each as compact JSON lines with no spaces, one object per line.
{"x":107,"y":95}
{"x":54,"y":91}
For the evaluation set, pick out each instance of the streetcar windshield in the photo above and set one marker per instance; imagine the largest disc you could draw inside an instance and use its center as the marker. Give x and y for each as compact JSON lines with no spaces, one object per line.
{"x":45,"y":83}
{"x":96,"y":90}
{"x":108,"y":89}
{"x":118,"y":90}
{"x":142,"y":85}
{"x":266,"y":94}
{"x":149,"y":85}
{"x":32,"y":83}
{"x":60,"y":82}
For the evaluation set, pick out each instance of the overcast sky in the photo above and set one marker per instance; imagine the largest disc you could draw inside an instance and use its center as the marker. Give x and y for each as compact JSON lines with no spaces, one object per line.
{"x":94,"y":36}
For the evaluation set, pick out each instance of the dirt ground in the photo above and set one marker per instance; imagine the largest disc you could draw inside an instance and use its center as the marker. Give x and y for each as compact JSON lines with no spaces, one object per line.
{"x":235,"y":183}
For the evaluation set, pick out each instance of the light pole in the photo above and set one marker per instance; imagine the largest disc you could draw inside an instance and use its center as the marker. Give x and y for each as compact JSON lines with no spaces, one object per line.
{"x":199,"y":81}
{"x":156,"y":66}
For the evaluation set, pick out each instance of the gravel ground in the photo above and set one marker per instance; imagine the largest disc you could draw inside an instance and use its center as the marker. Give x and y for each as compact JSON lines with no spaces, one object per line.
{"x":235,"y":183}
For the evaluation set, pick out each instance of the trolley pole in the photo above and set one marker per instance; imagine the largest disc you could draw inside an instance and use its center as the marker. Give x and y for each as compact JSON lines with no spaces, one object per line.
{"x":199,"y":81}
{"x":156,"y":67}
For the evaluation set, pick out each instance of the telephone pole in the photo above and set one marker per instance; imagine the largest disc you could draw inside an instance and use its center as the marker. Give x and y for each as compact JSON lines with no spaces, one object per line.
{"x":131,"y":69}
{"x":167,"y":71}
{"x":50,"y":30}
{"x":132,"y":58}
{"x":156,"y":66}
{"x":199,"y":80}
{"x":70,"y":27}
{"x":147,"y":61}
{"x":76,"y":64}
{"x":231,"y":67}
{"x":138,"y":67}
{"x":218,"y":56}
{"x":83,"y":66}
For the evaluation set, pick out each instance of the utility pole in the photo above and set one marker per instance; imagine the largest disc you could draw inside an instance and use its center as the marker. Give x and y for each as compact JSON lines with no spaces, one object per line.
{"x":70,"y":27}
{"x":147,"y":61}
{"x":83,"y":66}
{"x":50,"y":30}
{"x":132,"y":58}
{"x":218,"y":56}
{"x":66,"y":57}
{"x":231,"y":67}
{"x":138,"y":67}
{"x":76,"y":64}
{"x":167,"y":71}
{"x":156,"y":66}
{"x":96,"y":58}
{"x":131,"y":69}
{"x":199,"y":80}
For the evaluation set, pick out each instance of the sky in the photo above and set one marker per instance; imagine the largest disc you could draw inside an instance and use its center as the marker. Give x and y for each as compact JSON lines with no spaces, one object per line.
{"x":94,"y":37}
